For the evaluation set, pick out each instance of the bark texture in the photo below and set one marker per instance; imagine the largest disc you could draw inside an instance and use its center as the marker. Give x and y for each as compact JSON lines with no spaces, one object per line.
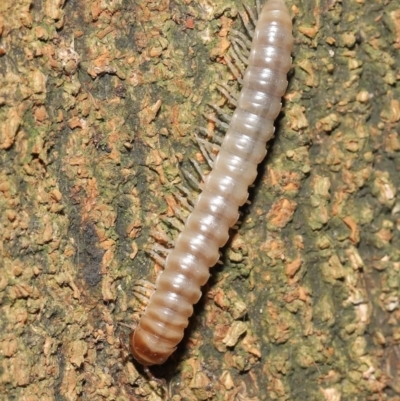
{"x":99,"y":101}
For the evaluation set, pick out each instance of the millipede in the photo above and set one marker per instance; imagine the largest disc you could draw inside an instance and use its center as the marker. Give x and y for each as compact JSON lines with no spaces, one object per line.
{"x":225,"y":189}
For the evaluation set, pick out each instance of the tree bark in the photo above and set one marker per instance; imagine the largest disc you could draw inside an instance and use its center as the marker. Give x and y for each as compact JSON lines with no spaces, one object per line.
{"x":99,"y":103}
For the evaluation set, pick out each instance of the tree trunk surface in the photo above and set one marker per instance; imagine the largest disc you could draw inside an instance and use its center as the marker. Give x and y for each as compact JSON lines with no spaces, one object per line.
{"x":99,"y":104}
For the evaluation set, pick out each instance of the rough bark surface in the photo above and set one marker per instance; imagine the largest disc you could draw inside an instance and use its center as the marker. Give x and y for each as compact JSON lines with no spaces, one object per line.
{"x":98,"y":104}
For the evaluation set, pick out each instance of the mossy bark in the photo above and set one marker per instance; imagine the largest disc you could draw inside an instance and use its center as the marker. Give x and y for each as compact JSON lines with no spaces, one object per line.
{"x":99,"y":101}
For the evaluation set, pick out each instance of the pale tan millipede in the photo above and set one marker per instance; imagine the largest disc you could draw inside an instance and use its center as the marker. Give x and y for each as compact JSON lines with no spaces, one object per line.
{"x":178,"y":287}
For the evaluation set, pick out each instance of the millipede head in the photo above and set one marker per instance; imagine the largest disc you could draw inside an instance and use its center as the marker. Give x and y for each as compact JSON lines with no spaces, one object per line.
{"x":147,"y":349}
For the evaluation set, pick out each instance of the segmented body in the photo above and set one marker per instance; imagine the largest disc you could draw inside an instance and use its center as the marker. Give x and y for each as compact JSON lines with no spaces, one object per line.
{"x":178,"y":287}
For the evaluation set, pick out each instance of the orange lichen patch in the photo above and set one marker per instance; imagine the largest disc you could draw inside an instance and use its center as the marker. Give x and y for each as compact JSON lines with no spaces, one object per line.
{"x":103,"y":59}
{"x":308,"y":31}
{"x":22,"y":291}
{"x":281,"y":212}
{"x":310,"y":68}
{"x":220,"y":298}
{"x":303,"y":293}
{"x":279,"y":332}
{"x":395,"y":16}
{"x":384,"y":189}
{"x":76,"y":161}
{"x":135,"y":250}
{"x":289,"y":181}
{"x":9,"y":345}
{"x":355,"y":232}
{"x":96,"y":10}
{"x":300,"y":293}
{"x":53,"y":9}
{"x":176,"y":117}
{"x":155,"y":160}
{"x":392,"y":142}
{"x":75,"y":122}
{"x":172,"y":204}
{"x":274,"y":248}
{"x":334,"y":158}
{"x":297,"y":117}
{"x":108,"y":289}
{"x":113,"y":139}
{"x":47,"y":234}
{"x":354,"y":258}
{"x":189,"y":22}
{"x":293,"y":267}
{"x":40,"y":114}
{"x":385,"y":235}
{"x":184,"y":87}
{"x":328,"y":123}
{"x":220,"y":332}
{"x":234,"y":333}
{"x":298,"y":242}
{"x":38,"y":81}
{"x":221,"y":48}
{"x":90,"y":201}
{"x":334,"y":270}
{"x":199,"y":379}
{"x":199,"y":157}
{"x":108,"y":256}
{"x":103,"y":33}
{"x":1,"y":25}
{"x":339,"y":201}
{"x":226,"y":24}
{"x":293,"y":183}
{"x":9,"y":131}
{"x":391,"y":113}
{"x":226,"y":380}
{"x":148,"y":112}
{"x":251,"y":344}
{"x":76,"y":352}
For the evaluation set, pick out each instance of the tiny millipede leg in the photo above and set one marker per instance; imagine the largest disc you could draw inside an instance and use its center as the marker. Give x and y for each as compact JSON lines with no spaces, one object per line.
{"x":204,"y":149}
{"x":258,"y":7}
{"x":188,"y":194}
{"x":220,"y":124}
{"x":183,"y":201}
{"x":175,"y":223}
{"x":242,"y":46}
{"x":190,"y":177}
{"x":251,"y":15}
{"x":159,"y":259}
{"x":234,"y":69}
{"x":229,"y":93}
{"x":247,"y":25}
{"x":210,"y":134}
{"x":161,"y":236}
{"x":238,"y":62}
{"x":160,"y":249}
{"x":122,"y":343}
{"x":125,"y":354}
{"x":211,"y":148}
{"x":161,"y":382}
{"x":180,"y":218}
{"x":224,"y":116}
{"x":242,"y":37}
{"x":239,"y":53}
{"x":198,"y":169}
{"x":143,"y":290}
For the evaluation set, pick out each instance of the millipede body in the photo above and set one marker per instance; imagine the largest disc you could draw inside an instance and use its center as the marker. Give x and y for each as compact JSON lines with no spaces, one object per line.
{"x":178,"y":287}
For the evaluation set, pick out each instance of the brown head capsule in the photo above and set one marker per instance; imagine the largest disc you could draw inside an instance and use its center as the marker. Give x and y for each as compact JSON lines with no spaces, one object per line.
{"x":187,"y":266}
